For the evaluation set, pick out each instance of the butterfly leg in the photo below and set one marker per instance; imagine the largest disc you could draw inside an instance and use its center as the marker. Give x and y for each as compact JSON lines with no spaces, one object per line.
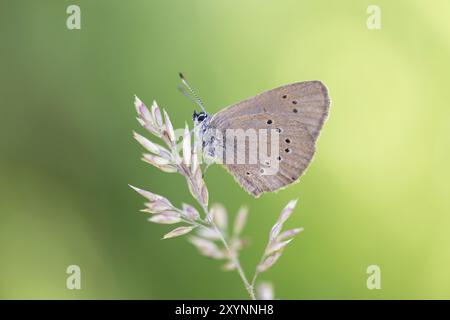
{"x":204,"y":169}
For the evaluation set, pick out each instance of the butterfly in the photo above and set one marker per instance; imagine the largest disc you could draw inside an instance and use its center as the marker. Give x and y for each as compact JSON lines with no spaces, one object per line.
{"x":296,"y":114}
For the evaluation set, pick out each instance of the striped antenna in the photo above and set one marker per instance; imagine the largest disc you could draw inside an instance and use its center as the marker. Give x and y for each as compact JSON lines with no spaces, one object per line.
{"x":196,"y":98}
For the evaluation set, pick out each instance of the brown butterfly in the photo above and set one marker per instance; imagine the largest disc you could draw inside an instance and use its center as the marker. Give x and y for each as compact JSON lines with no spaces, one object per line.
{"x":295,"y":112}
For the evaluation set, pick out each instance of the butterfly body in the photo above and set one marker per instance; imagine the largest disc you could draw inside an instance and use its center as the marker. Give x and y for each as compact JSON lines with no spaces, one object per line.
{"x":291,"y":116}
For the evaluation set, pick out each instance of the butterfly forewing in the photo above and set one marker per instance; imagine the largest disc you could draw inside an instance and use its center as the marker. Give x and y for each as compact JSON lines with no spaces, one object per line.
{"x":297,"y":113}
{"x":308,"y":102}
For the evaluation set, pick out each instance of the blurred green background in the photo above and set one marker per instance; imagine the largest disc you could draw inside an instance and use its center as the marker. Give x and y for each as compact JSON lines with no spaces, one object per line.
{"x":376,"y":193}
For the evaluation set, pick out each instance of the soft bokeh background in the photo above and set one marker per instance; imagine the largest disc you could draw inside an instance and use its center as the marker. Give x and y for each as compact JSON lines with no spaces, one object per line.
{"x":376,"y":193}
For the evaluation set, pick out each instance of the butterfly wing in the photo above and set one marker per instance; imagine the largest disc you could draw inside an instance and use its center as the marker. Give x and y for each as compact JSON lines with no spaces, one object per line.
{"x":307,"y":102}
{"x":297,"y":111}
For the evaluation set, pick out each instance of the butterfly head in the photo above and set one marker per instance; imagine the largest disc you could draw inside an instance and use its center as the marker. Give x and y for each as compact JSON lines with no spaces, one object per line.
{"x":199,"y":117}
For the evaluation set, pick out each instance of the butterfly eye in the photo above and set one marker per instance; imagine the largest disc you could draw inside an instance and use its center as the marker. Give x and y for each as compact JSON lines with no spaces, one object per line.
{"x":201,"y":116}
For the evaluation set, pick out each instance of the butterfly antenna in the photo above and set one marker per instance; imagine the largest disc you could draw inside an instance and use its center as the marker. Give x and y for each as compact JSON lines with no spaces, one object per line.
{"x":187,"y":95}
{"x":195,"y":98}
